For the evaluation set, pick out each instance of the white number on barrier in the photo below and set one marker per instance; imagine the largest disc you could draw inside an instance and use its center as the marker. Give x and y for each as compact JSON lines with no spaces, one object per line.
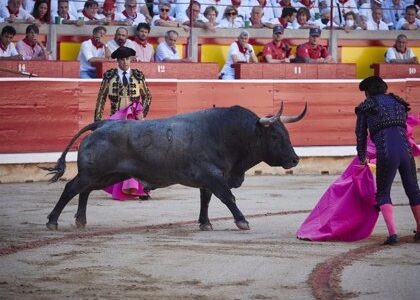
{"x":161,"y":68}
{"x":412,"y":71}
{"x":298,"y":70}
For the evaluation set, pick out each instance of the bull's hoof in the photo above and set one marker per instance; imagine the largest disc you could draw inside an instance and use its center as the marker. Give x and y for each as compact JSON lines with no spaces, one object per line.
{"x":242,"y":225}
{"x":206,"y":227}
{"x":52,"y":226}
{"x":80,"y":225}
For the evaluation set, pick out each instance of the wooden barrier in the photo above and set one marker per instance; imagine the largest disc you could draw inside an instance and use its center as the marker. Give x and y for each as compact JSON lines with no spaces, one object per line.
{"x":396,"y":70}
{"x":166,"y":69}
{"x":44,"y":120}
{"x":42,"y":68}
{"x":294,"y":71}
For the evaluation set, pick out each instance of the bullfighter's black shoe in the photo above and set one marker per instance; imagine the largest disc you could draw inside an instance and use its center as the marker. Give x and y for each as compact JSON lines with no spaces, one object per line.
{"x":416,"y":236}
{"x":391,"y":240}
{"x":144,"y":197}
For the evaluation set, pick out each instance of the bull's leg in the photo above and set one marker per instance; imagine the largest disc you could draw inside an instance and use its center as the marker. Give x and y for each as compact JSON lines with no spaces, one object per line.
{"x":222,"y":191}
{"x":81,"y":210}
{"x":204,"y":221}
{"x":72,"y":189}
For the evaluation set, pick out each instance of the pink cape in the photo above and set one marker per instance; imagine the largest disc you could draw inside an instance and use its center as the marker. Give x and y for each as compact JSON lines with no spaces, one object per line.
{"x":130,"y":188}
{"x":346,"y":211}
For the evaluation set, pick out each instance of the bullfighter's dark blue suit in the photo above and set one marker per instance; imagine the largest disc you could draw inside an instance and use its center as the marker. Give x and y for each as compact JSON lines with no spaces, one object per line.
{"x":384,"y":115}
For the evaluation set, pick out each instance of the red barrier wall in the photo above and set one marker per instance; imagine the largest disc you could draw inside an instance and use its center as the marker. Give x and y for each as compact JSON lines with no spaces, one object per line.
{"x":41,"y":116}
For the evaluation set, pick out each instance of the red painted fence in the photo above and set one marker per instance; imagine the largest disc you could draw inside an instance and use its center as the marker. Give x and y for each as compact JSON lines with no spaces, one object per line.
{"x":37,"y":115}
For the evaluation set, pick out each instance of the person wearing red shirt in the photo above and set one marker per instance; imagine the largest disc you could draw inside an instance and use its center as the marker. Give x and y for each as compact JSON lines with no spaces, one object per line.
{"x":312,"y":52}
{"x":278,"y":50}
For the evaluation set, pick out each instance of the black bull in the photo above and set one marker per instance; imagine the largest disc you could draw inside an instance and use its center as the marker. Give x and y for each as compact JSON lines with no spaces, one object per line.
{"x":210,"y":150}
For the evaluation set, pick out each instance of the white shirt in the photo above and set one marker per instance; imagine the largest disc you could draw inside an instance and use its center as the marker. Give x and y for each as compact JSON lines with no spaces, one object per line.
{"x":268,"y":12}
{"x":144,"y":54}
{"x":163,"y":51}
{"x":403,"y":21}
{"x":88,"y":51}
{"x":227,"y":70}
{"x":140,"y":18}
{"x":120,"y":74}
{"x":371,"y":25}
{"x":225,"y":23}
{"x":22,"y":15}
{"x":112,"y":45}
{"x":76,"y":6}
{"x":97,"y":17}
{"x":10,"y":51}
{"x":392,"y":53}
{"x":157,"y":17}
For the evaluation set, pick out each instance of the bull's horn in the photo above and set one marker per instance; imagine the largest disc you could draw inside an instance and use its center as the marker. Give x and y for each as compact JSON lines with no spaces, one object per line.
{"x":268,"y":121}
{"x":292,"y":119}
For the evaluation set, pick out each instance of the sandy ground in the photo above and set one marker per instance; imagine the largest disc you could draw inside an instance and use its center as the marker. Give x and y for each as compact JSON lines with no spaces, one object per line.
{"x":122,"y":255}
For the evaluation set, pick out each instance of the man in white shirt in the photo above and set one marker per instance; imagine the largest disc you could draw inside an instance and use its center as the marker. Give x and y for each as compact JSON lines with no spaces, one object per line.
{"x":376,"y":23}
{"x":400,"y":53}
{"x":120,"y":40}
{"x":14,"y":13}
{"x":90,"y":15}
{"x":92,"y":50}
{"x":130,"y":14}
{"x":7,"y":48}
{"x":167,"y":51}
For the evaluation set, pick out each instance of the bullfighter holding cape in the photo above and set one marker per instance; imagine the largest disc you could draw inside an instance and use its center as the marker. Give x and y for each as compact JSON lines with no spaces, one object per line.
{"x":130,"y":99}
{"x":348,"y":210}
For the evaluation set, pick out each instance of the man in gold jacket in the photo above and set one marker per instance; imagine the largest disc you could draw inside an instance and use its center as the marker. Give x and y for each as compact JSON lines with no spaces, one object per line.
{"x":123,"y":86}
{"x":130,"y":99}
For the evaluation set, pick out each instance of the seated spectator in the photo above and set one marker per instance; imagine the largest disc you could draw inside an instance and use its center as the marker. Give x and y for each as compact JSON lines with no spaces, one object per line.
{"x":197,"y":19}
{"x":92,"y":50}
{"x":7,"y":48}
{"x":324,"y":21}
{"x":120,"y":40}
{"x":30,"y":48}
{"x":312,"y":52}
{"x":210,"y":13}
{"x":130,"y":15}
{"x":164,"y":19}
{"x":42,"y":12}
{"x":342,"y":7}
{"x":366,"y":7}
{"x":362,"y":22}
{"x":417,"y":5}
{"x":144,"y":50}
{"x":267,"y":9}
{"x":279,"y":5}
{"x":310,"y":6}
{"x":172,"y":5}
{"x":90,"y":14}
{"x":393,"y":12}
{"x":409,"y":22}
{"x":166,"y":51}
{"x":303,"y":19}
{"x":288,"y":17}
{"x":230,"y":18}
{"x":376,"y":23}
{"x":400,"y":53}
{"x":64,"y":14}
{"x":277,"y":51}
{"x":242,"y":8}
{"x":256,"y":21}
{"x":220,"y":6}
{"x":14,"y":13}
{"x":350,"y":21}
{"x":239,"y":52}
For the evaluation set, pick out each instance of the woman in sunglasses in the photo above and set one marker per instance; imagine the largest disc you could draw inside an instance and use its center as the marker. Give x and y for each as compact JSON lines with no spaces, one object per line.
{"x":230,"y":18}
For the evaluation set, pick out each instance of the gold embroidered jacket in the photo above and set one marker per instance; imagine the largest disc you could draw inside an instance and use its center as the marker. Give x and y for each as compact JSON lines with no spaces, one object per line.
{"x":121,"y":96}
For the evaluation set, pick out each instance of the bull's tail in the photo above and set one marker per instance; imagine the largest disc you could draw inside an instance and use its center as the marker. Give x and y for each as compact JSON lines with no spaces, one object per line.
{"x":60,"y":167}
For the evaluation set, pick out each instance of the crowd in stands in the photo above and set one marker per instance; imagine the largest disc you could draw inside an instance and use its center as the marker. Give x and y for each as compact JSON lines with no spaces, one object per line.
{"x":207,"y":14}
